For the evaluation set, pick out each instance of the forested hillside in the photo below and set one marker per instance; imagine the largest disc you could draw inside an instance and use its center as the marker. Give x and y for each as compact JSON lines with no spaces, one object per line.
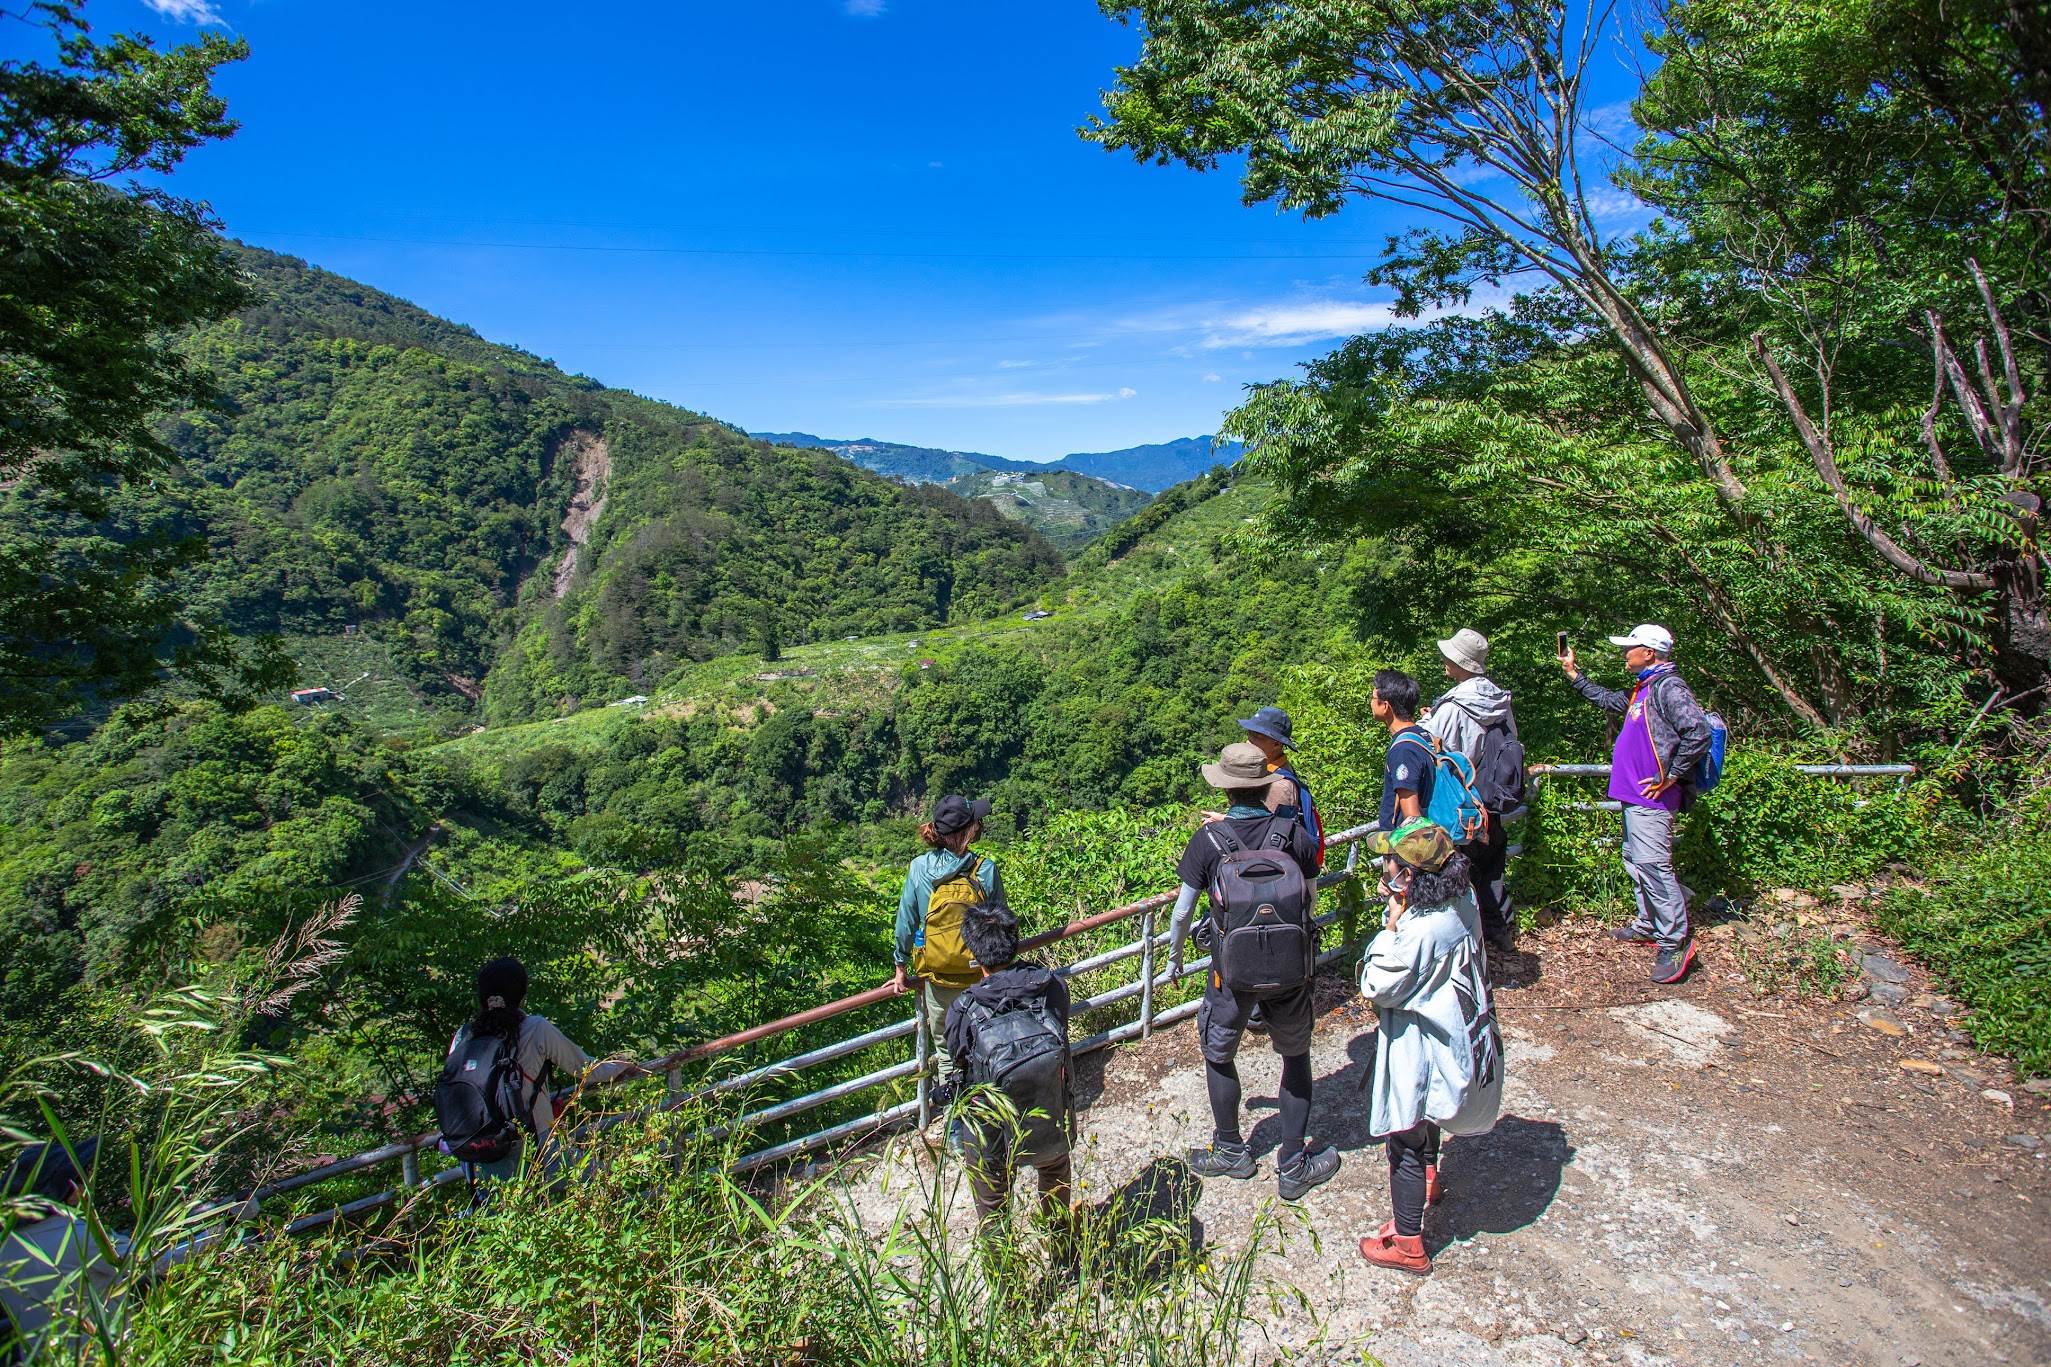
{"x":375,"y":467}
{"x":1067,"y":507}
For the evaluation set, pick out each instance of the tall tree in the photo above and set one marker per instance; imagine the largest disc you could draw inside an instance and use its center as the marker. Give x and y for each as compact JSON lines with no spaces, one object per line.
{"x":1476,"y":115}
{"x":100,"y":269}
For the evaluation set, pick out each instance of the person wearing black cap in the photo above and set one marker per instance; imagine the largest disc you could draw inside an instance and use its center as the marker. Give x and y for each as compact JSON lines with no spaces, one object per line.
{"x":940,"y":884}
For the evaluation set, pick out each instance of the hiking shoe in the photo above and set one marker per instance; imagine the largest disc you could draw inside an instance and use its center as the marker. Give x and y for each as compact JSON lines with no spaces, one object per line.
{"x":1404,"y":1252}
{"x":1672,"y":963}
{"x":1633,"y":935}
{"x":938,"y":1133}
{"x":1219,"y":1159}
{"x":1294,"y":1180}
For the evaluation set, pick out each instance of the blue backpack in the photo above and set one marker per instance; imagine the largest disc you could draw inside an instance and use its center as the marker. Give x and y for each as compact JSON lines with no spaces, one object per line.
{"x":1709,"y":769}
{"x":1455,"y":804}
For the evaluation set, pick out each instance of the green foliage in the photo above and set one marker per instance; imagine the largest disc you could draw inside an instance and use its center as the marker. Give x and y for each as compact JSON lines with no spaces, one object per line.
{"x":652,"y":1254}
{"x":1983,"y":920}
{"x":1765,"y":826}
{"x":103,"y":269}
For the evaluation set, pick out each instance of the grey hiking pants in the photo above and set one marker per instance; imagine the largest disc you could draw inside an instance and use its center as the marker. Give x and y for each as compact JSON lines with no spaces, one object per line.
{"x":1649,"y":859}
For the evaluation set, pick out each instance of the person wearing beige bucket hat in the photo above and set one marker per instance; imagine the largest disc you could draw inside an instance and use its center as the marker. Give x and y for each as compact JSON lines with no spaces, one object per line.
{"x":1253,"y":849}
{"x":1474,"y":718}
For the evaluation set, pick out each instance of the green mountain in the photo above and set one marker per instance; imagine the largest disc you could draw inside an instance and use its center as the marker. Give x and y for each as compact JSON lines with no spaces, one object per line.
{"x":1069,"y":509}
{"x":530,"y":538}
{"x":1156,"y":467}
{"x":1066,"y":507}
{"x":1151,"y":468}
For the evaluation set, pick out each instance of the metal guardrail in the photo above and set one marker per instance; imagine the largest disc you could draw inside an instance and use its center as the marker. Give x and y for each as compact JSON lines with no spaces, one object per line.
{"x":1146,"y":986}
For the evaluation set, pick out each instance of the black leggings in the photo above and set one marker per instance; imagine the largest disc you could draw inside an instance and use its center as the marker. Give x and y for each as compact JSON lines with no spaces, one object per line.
{"x":1222,"y":1081}
{"x":1409,"y":1151}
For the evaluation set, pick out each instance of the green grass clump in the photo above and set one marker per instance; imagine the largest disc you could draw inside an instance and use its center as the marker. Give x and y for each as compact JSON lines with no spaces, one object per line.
{"x":1983,"y":921}
{"x":652,"y":1254}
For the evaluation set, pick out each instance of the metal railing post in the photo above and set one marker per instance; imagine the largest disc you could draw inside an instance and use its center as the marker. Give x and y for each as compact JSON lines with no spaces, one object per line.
{"x":924,"y":1050}
{"x":1146,"y":973}
{"x":409,"y":1170}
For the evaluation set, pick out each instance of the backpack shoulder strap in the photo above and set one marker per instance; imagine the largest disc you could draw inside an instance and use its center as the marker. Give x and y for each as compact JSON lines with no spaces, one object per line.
{"x":1277,"y":833}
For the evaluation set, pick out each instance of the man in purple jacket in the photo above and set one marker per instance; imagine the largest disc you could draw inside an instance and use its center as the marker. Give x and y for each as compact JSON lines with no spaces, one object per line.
{"x":1664,"y":734}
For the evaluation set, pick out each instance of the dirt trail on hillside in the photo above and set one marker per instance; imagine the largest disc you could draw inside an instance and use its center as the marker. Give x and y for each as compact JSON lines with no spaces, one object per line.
{"x":1684,"y":1176}
{"x":594,"y":470}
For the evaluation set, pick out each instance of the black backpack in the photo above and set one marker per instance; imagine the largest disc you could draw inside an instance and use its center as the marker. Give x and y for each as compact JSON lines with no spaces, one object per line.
{"x":481,"y":1101}
{"x":1021,"y":1050}
{"x":1264,"y":939}
{"x":1499,"y":772}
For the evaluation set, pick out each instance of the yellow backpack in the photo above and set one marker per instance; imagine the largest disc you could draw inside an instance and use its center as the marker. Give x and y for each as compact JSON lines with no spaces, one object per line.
{"x":939,"y":954}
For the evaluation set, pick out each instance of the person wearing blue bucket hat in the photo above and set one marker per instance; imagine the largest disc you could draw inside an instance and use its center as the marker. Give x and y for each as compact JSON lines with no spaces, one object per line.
{"x":1269,"y":728}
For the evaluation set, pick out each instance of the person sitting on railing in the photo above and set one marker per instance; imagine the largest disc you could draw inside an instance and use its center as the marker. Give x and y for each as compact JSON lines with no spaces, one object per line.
{"x":1276,"y":944}
{"x":1010,"y":1032}
{"x":1438,"y":1061}
{"x":537,"y":1047}
{"x":938,"y":887}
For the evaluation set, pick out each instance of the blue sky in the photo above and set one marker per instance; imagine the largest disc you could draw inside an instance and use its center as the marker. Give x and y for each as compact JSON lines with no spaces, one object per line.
{"x":847,"y":217}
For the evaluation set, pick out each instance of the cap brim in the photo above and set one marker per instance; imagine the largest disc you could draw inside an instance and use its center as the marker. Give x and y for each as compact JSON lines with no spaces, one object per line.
{"x":1625,"y":641}
{"x":979,"y":810}
{"x":1380,"y":842}
{"x":1255,"y":730}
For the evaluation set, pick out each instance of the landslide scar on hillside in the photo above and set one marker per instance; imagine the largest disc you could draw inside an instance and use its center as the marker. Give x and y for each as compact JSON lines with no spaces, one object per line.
{"x":594,"y":472}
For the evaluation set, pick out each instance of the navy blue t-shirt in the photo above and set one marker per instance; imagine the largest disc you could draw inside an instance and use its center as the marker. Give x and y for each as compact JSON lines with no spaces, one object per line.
{"x":1409,"y":769}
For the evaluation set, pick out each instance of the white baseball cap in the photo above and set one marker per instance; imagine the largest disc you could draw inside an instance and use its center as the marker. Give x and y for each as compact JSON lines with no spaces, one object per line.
{"x":1647,"y":634}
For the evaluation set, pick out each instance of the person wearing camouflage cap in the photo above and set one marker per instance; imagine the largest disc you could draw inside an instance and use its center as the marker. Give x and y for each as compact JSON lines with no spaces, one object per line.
{"x":1438,"y":1055}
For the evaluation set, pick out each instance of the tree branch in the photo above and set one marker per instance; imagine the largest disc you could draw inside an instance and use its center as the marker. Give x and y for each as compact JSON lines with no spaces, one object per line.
{"x":1825,"y":460}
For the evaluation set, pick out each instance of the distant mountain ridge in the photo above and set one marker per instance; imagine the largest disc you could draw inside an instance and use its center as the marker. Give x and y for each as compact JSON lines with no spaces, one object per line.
{"x":1151,"y":468}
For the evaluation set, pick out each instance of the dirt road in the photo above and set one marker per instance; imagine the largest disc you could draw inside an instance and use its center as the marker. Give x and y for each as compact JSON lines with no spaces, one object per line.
{"x":1691,"y":1175}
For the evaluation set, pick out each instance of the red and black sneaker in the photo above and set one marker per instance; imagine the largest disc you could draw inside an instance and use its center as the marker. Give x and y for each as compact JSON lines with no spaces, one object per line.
{"x":1672,"y":963}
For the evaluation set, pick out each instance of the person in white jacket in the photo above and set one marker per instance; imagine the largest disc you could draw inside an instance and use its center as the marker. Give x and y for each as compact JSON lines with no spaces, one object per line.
{"x":1438,"y":1054}
{"x":1461,"y":718}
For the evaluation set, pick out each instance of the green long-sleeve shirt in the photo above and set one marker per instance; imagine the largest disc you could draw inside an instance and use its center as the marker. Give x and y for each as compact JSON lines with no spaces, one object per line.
{"x":919,"y":880}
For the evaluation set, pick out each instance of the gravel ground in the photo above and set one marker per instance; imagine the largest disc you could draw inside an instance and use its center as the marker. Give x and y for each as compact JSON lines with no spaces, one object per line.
{"x":1686,"y":1175}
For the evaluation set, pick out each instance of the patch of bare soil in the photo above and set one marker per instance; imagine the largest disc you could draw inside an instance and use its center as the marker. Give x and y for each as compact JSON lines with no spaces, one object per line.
{"x":1681,"y":1175}
{"x":594,"y":470}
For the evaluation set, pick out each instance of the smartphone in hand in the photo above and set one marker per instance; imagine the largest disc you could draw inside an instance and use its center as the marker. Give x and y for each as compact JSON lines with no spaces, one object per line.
{"x":1561,"y":636}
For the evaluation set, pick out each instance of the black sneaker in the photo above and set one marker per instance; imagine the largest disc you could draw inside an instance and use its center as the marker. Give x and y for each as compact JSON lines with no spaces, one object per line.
{"x":1671,"y":965}
{"x":1311,"y":1168}
{"x":1220,"y":1159}
{"x":1632,"y":935}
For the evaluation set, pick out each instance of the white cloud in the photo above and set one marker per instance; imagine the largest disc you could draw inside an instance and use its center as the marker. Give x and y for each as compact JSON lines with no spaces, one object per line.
{"x":186,"y":11}
{"x":1610,"y":204}
{"x":864,"y":9}
{"x":1015,"y":400}
{"x":1213,"y":377}
{"x":1013,"y":365}
{"x":1296,"y":321}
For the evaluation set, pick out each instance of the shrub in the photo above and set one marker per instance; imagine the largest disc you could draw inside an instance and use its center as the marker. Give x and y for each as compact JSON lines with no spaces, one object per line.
{"x":1983,"y":920}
